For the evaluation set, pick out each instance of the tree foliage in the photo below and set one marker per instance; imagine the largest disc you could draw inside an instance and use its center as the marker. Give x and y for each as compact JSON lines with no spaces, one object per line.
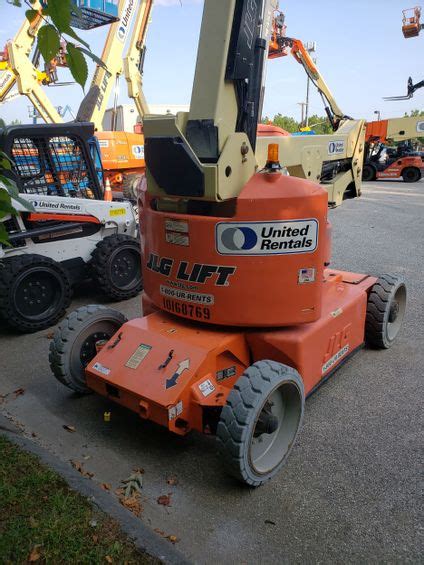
{"x":319,"y":124}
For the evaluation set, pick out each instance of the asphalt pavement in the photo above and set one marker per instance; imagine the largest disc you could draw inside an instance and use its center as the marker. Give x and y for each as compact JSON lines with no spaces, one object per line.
{"x":352,"y":488}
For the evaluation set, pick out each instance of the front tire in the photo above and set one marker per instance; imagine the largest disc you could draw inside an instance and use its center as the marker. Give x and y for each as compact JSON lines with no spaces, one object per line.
{"x":368,"y":173}
{"x":74,"y":343}
{"x":385,"y":311}
{"x":260,"y":422}
{"x":411,"y":174}
{"x":116,"y":264}
{"x":34,"y":292}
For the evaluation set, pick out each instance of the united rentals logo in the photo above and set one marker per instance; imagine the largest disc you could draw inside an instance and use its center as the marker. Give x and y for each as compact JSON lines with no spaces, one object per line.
{"x":125,"y":21}
{"x":267,"y":238}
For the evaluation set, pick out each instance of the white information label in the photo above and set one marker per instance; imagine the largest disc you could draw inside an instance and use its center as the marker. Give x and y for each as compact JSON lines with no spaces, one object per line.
{"x":186,"y":295}
{"x":175,"y":411}
{"x":267,"y":238}
{"x":176,"y":225}
{"x":101,"y":368}
{"x":206,"y":388}
{"x":177,"y":238}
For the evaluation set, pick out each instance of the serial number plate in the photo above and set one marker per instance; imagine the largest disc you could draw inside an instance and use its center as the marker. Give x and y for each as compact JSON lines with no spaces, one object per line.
{"x":190,"y":310}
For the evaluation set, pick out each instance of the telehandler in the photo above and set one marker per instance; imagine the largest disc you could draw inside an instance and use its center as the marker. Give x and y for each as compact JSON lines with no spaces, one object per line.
{"x":243,"y":318}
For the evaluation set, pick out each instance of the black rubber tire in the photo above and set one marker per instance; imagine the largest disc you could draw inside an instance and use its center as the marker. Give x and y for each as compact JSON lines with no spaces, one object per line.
{"x":73,"y":344}
{"x":26,"y":280}
{"x":387,"y":298}
{"x":368,"y":173}
{"x":411,"y":174}
{"x":239,"y":417}
{"x":128,"y":269}
{"x":130,"y":183}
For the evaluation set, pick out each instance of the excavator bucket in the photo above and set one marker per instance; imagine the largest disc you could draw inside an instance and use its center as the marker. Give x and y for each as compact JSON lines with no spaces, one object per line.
{"x":90,"y":14}
{"x":411,"y":25}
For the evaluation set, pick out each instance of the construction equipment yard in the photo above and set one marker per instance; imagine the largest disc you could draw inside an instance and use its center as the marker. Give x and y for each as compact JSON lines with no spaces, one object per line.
{"x":350,"y":492}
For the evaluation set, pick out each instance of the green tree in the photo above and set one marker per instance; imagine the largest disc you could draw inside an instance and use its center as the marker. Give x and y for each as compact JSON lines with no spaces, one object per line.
{"x":2,"y":123}
{"x":285,"y":122}
{"x":320,"y":124}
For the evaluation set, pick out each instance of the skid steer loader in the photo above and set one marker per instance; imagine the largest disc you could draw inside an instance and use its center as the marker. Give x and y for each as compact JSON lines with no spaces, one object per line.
{"x":74,"y":232}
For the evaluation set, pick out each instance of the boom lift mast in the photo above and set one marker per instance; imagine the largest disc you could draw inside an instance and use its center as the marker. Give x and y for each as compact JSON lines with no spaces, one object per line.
{"x":94,"y":105}
{"x":18,"y":69}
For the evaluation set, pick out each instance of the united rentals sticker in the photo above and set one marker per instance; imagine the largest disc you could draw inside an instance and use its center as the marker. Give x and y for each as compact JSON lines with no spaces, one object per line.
{"x":331,"y":362}
{"x":336,"y":147}
{"x":267,"y":238}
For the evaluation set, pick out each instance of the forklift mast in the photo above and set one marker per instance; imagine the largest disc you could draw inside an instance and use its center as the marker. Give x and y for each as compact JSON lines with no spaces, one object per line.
{"x":209,"y":151}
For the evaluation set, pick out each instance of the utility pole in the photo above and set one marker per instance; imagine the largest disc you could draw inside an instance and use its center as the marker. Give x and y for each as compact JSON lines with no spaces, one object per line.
{"x":378,"y":114}
{"x":310,"y":47}
{"x":302,"y":105}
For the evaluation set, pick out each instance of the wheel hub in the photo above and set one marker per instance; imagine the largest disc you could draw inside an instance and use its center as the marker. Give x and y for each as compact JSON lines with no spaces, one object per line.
{"x":89,"y":349}
{"x":394,"y":312}
{"x":36,"y":293}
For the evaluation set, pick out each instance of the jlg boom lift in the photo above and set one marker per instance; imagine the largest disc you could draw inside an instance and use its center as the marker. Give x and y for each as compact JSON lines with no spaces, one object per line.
{"x":384,"y":162}
{"x":246,"y":317}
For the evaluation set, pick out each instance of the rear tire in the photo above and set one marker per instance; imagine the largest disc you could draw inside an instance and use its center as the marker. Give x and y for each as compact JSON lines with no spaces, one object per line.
{"x":385,"y":311}
{"x":411,"y":174}
{"x":34,"y":292}
{"x":130,"y":184}
{"x":116,"y":264}
{"x":74,"y":343}
{"x":260,"y":422}
{"x":368,"y":173}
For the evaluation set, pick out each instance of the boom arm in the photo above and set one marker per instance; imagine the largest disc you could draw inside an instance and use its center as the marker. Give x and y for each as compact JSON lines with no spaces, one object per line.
{"x":93,"y":106}
{"x":133,"y":62}
{"x":24,"y":41}
{"x":394,"y":129}
{"x":278,"y":48}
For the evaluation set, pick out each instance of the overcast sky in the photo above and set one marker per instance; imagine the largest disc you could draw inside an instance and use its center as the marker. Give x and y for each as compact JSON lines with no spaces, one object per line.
{"x":361,"y":54}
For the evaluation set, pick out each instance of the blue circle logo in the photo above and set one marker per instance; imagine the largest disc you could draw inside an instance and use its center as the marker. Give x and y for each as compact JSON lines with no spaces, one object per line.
{"x":237,"y":239}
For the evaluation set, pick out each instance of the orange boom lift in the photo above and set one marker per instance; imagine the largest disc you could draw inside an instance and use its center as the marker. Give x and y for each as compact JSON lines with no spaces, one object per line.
{"x":243,"y":318}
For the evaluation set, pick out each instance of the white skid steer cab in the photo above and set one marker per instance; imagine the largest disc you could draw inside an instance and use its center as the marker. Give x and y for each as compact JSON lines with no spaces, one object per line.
{"x":74,"y":232}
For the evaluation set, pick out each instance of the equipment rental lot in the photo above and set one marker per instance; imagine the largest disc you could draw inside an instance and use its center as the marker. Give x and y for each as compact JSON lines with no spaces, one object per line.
{"x":351,"y":488}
